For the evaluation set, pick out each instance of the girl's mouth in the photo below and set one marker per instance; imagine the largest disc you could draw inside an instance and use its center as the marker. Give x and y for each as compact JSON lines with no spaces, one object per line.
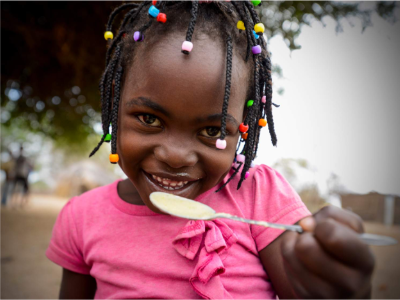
{"x":169,"y":184}
{"x":176,"y":183}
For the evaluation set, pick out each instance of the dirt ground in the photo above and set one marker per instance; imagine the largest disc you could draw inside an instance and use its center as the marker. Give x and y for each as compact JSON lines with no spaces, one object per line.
{"x":26,"y":273}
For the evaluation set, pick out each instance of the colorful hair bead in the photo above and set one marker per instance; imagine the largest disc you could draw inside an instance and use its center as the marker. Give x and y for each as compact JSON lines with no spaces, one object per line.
{"x":114,"y":158}
{"x":262,"y":122}
{"x":187,"y":47}
{"x":250,"y":103}
{"x":259,"y":28}
{"x":256,"y":2}
{"x":220,"y":144}
{"x":162,"y":18}
{"x":243,"y":128}
{"x":240,"y":25}
{"x":246,"y":175}
{"x":108,"y":35}
{"x":138,"y":36}
{"x":256,"y":49}
{"x":154,"y":11}
{"x":154,"y":2}
{"x":240,"y":158}
{"x":108,"y":138}
{"x":264,"y":99}
{"x":256,"y":35}
{"x":244,"y":136}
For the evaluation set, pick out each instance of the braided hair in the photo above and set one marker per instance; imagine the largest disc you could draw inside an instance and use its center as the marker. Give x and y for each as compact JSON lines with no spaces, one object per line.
{"x":218,"y":19}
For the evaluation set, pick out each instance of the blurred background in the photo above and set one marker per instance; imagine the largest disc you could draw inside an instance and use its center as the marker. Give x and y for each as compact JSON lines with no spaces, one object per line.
{"x":336,"y":73}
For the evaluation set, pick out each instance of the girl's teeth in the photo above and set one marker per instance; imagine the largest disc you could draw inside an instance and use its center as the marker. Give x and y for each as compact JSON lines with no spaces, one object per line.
{"x":169,"y":184}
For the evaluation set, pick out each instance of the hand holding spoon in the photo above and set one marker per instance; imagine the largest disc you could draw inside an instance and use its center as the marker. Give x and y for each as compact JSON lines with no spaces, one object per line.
{"x":193,"y":210}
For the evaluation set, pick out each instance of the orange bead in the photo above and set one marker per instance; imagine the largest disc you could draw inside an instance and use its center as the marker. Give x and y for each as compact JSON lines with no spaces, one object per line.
{"x":244,"y":136}
{"x":262,"y":122}
{"x":114,"y":158}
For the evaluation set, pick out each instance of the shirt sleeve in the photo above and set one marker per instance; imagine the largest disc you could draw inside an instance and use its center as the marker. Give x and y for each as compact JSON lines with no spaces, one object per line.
{"x":274,"y":201}
{"x":65,"y":244}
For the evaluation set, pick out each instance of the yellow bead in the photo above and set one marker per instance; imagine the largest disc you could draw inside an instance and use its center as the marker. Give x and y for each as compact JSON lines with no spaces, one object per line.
{"x":262,"y":122}
{"x":259,"y":28}
{"x":108,"y":35}
{"x":240,"y":25}
{"x":114,"y":158}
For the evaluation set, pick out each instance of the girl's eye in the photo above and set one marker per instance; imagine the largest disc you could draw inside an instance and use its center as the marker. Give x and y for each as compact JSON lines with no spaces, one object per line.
{"x":211,"y":132}
{"x":149,"y":120}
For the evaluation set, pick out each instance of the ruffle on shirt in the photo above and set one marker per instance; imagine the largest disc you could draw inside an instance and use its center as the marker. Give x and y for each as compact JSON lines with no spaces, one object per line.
{"x":218,"y":238}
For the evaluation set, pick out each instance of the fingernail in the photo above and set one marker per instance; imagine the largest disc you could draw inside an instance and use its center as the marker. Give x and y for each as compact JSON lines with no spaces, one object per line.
{"x":308,"y":224}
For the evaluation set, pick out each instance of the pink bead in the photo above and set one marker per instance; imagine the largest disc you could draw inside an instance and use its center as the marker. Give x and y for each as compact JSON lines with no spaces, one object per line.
{"x":246,"y":175}
{"x":220,"y":144}
{"x":240,"y":157}
{"x":264,"y":99}
{"x":187,"y":47}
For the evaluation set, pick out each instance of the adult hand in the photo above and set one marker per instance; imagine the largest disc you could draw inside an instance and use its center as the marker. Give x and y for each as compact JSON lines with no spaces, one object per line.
{"x":328,"y":260}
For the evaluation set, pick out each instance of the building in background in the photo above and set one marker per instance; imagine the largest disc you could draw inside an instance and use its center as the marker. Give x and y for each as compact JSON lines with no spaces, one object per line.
{"x":374,"y":207}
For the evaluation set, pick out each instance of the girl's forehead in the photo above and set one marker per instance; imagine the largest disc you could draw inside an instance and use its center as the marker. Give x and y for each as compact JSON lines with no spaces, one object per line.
{"x":162,"y":71}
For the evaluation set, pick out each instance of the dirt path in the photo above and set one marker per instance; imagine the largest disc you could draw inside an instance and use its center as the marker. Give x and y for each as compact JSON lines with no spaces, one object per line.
{"x":26,"y":273}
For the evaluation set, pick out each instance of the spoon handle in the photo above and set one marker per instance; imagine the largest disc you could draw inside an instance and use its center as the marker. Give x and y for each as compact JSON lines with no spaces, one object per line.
{"x":367,"y":238}
{"x":262,"y":223}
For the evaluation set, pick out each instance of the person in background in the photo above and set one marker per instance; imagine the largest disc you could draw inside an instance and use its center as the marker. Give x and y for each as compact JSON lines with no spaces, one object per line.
{"x":22,"y":169}
{"x":8,"y":168}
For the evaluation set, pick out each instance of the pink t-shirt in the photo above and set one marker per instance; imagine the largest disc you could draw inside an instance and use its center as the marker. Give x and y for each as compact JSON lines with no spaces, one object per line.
{"x":133,"y":252}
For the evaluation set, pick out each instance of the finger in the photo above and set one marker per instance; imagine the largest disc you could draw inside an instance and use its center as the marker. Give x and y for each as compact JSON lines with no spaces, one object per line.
{"x":341,"y":215}
{"x":308,"y":224}
{"x":347,"y":280}
{"x":304,"y":283}
{"x":343,"y":243}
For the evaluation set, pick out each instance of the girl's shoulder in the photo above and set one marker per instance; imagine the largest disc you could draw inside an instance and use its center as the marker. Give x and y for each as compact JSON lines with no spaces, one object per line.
{"x":260,"y":177}
{"x":94,"y":199}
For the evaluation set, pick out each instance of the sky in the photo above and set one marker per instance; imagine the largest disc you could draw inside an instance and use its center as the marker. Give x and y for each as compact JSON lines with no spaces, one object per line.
{"x":340,"y":109}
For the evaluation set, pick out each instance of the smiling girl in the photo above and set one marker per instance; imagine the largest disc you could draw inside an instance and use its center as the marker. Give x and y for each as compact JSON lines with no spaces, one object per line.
{"x":187,"y":89}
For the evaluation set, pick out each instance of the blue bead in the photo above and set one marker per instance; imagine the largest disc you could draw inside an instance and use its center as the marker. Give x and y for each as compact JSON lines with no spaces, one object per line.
{"x":153,"y":11}
{"x":256,"y":35}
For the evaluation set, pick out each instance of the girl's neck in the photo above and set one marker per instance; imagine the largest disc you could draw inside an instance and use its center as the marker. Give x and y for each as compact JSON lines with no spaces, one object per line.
{"x":128,"y":193}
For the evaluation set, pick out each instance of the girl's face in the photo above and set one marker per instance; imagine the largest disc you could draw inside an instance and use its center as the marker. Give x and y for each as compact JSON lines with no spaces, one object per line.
{"x":170,"y":117}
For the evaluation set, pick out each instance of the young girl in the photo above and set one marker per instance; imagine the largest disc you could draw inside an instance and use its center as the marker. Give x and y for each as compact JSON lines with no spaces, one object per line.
{"x":187,"y":89}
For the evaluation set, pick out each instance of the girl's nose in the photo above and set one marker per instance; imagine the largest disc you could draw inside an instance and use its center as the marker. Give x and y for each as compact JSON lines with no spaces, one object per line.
{"x":176,"y":155}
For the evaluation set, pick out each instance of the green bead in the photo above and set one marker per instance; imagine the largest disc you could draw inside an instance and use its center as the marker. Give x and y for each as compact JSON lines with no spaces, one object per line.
{"x":250,"y":103}
{"x":108,"y":138}
{"x":256,"y":2}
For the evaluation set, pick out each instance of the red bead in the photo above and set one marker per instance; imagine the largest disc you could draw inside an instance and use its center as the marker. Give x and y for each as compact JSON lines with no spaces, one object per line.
{"x":243,"y":128}
{"x":162,"y":18}
{"x":154,"y":2}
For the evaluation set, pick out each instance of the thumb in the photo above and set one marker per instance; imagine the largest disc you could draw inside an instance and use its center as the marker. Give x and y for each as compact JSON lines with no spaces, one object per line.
{"x":308,"y":224}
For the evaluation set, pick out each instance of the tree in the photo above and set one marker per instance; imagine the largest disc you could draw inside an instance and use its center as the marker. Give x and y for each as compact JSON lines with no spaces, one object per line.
{"x":53,"y":57}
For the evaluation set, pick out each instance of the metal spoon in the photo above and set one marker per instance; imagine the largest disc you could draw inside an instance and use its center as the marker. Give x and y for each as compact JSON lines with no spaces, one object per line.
{"x":193,"y":210}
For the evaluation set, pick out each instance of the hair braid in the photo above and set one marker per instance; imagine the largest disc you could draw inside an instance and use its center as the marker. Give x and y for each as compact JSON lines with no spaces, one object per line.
{"x":253,"y":124}
{"x":193,"y":12}
{"x":114,"y":117}
{"x":227,"y":85}
{"x":116,"y":11}
{"x":106,"y":101}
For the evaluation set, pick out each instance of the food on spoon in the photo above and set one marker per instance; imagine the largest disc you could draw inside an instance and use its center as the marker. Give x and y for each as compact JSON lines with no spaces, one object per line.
{"x":181,"y":207}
